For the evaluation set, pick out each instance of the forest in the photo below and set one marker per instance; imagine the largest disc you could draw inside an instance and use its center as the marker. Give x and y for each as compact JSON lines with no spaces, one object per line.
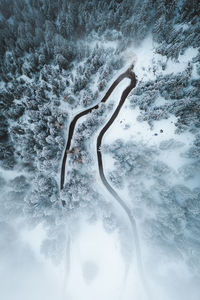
{"x":58,"y":58}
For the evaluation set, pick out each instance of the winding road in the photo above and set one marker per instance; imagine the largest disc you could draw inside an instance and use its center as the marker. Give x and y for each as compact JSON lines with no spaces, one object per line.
{"x":83,"y":113}
{"x":131,"y":75}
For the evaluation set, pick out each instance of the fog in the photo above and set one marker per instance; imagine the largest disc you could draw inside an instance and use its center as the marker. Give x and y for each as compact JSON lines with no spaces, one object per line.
{"x":24,"y":272}
{"x":97,"y":270}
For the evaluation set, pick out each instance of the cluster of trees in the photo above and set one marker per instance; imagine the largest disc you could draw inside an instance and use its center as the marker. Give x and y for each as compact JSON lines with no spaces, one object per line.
{"x":37,"y":134}
{"x":79,"y":190}
{"x":26,"y":25}
{"x":35,"y":98}
{"x":79,"y":155}
{"x":192,"y":170}
{"x":99,"y":63}
{"x":175,"y":224}
{"x":180,"y":94}
{"x":45,"y":74}
{"x":13,"y":193}
{"x":42,"y":200}
{"x":168,"y":209}
{"x":130,"y":160}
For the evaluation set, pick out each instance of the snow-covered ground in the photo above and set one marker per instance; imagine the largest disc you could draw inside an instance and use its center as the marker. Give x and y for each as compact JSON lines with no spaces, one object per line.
{"x":148,"y":63}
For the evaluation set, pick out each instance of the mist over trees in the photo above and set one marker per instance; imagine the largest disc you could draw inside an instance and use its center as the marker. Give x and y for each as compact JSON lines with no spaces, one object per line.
{"x":168,"y":209}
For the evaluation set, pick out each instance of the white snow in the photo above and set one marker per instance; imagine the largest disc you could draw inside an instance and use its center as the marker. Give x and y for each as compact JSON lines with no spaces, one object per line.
{"x":2,"y":85}
{"x":148,"y":63}
{"x":11,"y":174}
{"x":25,"y":78}
{"x":181,"y":64}
{"x":142,"y":58}
{"x":183,"y":26}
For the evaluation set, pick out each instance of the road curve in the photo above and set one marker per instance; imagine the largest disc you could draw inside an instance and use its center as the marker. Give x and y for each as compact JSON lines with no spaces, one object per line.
{"x":81,"y":114}
{"x":131,"y":75}
{"x":123,"y":205}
